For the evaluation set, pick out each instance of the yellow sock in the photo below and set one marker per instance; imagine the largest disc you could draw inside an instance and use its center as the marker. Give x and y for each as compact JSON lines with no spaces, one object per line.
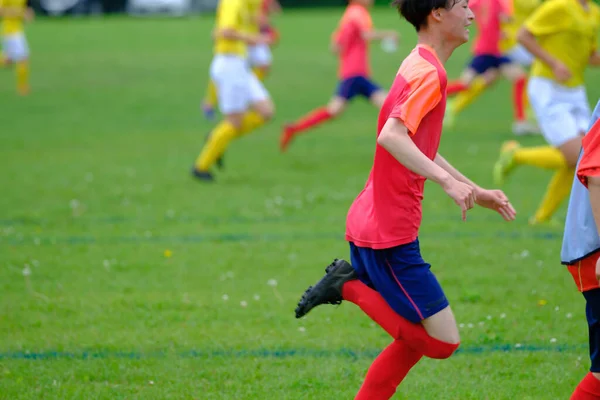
{"x":251,"y":121}
{"x":558,"y":190}
{"x":260,"y":73}
{"x":3,"y":60}
{"x":463,"y":99}
{"x":211,"y":94}
{"x":22,"y":70}
{"x":544,"y":157}
{"x":222,"y":135}
{"x":216,"y":144}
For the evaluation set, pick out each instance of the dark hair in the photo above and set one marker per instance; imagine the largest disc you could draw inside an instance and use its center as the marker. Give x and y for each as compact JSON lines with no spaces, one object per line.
{"x":416,"y":11}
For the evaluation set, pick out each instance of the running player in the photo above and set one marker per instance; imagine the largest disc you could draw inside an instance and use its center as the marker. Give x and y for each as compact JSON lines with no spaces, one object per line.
{"x":243,"y":100}
{"x":388,"y":278}
{"x":15,"y":50}
{"x":562,"y":35}
{"x":351,"y":43}
{"x":581,"y":249}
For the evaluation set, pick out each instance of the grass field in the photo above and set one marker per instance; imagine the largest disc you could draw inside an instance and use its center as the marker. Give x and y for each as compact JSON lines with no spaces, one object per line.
{"x":123,"y":278}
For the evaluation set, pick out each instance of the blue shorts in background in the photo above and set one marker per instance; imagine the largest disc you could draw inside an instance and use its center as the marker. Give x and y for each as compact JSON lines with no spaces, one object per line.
{"x":355,"y":86}
{"x":482,"y":63}
{"x":402,"y":278}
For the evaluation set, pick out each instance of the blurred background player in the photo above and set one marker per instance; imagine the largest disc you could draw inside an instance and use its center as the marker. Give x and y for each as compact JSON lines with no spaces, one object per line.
{"x":562,"y":35}
{"x":581,"y":249}
{"x":351,"y":42}
{"x":15,"y":50}
{"x":388,"y":278}
{"x":488,"y":64}
{"x":243,"y":100}
{"x":259,"y":55}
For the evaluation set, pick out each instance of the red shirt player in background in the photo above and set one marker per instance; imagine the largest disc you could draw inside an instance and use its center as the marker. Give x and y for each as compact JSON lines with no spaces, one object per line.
{"x":488,"y":64}
{"x":389,"y":279}
{"x":351,"y":42}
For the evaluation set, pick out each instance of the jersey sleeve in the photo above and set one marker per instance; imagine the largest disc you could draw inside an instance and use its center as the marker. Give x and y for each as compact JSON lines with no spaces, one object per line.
{"x":423,"y":93}
{"x":589,"y":165}
{"x":229,"y":14}
{"x":550,"y":17}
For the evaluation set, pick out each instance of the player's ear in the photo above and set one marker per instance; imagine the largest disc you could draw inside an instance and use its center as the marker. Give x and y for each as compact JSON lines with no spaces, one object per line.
{"x":436,"y":14}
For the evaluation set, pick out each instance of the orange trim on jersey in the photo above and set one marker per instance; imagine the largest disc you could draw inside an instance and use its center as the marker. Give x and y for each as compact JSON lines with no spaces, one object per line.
{"x":584,"y":273}
{"x":424,"y":92}
{"x":590,"y":162}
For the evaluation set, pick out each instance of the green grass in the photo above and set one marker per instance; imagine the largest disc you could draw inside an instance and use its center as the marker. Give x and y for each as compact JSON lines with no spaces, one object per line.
{"x":95,"y":188}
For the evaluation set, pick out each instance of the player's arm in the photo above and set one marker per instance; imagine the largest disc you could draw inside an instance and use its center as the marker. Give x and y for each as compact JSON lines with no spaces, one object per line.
{"x":547,"y":19}
{"x":394,"y":137}
{"x":492,"y":199}
{"x":456,"y":174}
{"x":229,"y":29}
{"x":373,"y":35}
{"x":595,"y":59}
{"x":236,"y":34}
{"x":13,"y":12}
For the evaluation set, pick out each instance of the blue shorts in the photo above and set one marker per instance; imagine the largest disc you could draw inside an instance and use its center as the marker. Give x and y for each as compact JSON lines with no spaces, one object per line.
{"x":592,"y":313}
{"x":402,"y":278}
{"x":482,"y":63}
{"x":356,"y":85}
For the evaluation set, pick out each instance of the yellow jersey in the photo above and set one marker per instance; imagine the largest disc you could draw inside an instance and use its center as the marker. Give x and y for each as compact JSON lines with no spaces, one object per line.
{"x":232,"y":14}
{"x":520,"y":10}
{"x":568,"y":32}
{"x":253,"y":18}
{"x":12,"y":25}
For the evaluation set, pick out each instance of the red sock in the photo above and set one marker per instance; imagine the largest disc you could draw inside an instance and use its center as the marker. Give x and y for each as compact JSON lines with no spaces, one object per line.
{"x":588,"y":388}
{"x":455,"y":87}
{"x":314,"y":118}
{"x":519,"y":99}
{"x":394,"y":324}
{"x":387,"y":371}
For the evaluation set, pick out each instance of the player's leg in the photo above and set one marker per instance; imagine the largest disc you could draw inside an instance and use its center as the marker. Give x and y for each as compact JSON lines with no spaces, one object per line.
{"x":584,"y":276}
{"x":346,"y":90}
{"x":17,"y":50}
{"x":233,"y":82}
{"x":480,"y":74}
{"x":370,"y":90}
{"x":209,"y":103}
{"x":516,"y":74}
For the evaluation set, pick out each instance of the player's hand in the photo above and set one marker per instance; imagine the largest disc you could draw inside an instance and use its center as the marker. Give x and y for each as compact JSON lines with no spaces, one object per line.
{"x":495,"y":200}
{"x":462,"y":194}
{"x":263,"y":38}
{"x":561,"y":72}
{"x":28,"y":15}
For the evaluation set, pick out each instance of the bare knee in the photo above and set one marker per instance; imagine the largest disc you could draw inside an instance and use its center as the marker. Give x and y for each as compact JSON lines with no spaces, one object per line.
{"x":235,"y":119}
{"x":442,"y":326}
{"x":336,"y":106}
{"x":265,"y":108}
{"x":570,"y":150}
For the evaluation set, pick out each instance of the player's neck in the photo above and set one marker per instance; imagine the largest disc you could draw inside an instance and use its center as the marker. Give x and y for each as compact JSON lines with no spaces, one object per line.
{"x":442,"y":48}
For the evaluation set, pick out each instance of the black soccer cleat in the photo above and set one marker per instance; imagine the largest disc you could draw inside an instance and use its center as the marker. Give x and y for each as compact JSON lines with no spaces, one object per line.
{"x":329,"y":289}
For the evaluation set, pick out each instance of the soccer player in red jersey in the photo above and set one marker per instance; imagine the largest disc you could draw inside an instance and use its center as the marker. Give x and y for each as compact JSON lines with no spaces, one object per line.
{"x":351,"y":42}
{"x":388,"y":279}
{"x":581,"y":249}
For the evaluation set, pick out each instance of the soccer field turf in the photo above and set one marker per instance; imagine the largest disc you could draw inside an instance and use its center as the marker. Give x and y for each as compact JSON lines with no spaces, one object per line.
{"x":122,"y":277}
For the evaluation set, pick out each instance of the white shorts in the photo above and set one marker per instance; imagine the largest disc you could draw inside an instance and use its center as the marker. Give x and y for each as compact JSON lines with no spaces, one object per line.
{"x":259,"y":55}
{"x":520,"y":55}
{"x":563,"y":113}
{"x":15,"y":47}
{"x":237,"y":87}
